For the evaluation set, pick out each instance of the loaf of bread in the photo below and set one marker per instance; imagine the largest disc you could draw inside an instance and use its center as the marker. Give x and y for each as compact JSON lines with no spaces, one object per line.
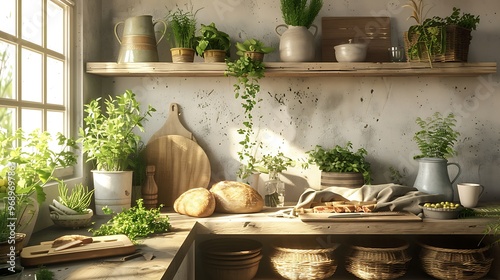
{"x":197,"y":202}
{"x":236,"y":197}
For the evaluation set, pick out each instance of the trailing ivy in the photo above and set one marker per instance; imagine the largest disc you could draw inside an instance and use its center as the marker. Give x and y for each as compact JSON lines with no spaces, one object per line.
{"x":248,"y":72}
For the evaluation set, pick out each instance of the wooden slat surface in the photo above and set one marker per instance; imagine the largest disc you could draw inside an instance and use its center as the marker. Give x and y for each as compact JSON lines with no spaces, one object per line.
{"x":287,"y":69}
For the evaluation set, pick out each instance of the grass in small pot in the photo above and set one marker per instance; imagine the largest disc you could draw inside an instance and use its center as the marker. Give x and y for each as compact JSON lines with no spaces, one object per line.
{"x":183,"y":27}
{"x":78,"y":199}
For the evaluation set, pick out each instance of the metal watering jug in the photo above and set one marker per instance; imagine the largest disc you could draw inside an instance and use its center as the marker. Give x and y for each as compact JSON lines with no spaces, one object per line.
{"x":138,"y":43}
{"x":433,"y":177}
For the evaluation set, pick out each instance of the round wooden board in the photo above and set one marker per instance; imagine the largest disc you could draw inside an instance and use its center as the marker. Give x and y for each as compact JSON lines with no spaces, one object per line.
{"x":181,"y":164}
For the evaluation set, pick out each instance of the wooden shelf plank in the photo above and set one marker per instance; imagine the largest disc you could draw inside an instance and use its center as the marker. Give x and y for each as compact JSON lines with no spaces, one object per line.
{"x":285,"y":69}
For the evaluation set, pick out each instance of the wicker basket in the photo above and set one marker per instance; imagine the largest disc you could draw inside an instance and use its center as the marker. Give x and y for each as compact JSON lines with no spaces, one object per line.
{"x":457,"y":46}
{"x":454,"y":260}
{"x":385,"y":259}
{"x":304,"y":262}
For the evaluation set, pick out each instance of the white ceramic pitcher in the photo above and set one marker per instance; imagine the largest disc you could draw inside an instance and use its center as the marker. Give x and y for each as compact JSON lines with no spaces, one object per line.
{"x":296,"y":43}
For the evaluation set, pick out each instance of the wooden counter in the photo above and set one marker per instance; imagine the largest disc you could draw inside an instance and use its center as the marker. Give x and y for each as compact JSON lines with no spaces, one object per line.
{"x":174,"y":253}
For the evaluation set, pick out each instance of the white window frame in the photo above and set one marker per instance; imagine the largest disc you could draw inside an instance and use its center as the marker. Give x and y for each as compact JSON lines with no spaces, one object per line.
{"x":67,"y":57}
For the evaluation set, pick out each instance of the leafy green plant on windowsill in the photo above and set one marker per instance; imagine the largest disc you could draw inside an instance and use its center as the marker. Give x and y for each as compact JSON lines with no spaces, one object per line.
{"x":437,"y":136}
{"x":248,"y":72}
{"x":341,"y":159}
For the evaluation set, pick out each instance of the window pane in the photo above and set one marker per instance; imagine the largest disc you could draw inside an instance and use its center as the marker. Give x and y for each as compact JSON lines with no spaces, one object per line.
{"x":7,"y":70}
{"x":31,"y":120}
{"x":55,"y":81}
{"x":7,"y":119}
{"x":31,"y":76}
{"x":55,"y":124}
{"x":8,"y":16}
{"x":32,"y":21}
{"x":55,"y":27}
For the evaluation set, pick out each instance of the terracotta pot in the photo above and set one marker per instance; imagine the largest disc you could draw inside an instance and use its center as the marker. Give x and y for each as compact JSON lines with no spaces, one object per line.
{"x":257,"y":56}
{"x":182,"y":55}
{"x":211,"y":56}
{"x":296,"y":43}
{"x":345,"y":179}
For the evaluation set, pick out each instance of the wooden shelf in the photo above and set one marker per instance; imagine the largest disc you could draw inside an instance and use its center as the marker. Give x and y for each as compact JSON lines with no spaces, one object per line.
{"x":286,"y":69}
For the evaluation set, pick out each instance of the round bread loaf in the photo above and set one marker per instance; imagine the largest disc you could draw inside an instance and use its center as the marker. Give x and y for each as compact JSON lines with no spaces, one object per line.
{"x":197,"y":202}
{"x":236,"y":197}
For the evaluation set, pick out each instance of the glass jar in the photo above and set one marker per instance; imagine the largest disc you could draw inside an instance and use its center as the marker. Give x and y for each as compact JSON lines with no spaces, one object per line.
{"x":274,"y":190}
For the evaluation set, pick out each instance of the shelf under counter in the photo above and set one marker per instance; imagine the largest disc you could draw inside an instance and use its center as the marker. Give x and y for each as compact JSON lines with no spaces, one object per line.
{"x":295,"y":69}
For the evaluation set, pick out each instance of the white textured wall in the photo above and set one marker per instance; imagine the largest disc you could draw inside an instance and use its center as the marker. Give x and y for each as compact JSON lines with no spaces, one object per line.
{"x":298,"y":113}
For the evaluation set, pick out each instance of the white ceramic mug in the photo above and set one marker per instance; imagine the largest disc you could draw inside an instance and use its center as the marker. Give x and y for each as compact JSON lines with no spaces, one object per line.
{"x":469,"y":193}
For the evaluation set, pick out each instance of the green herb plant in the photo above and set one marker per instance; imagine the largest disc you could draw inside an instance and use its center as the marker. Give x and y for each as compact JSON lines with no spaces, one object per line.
{"x":44,"y":273}
{"x":252,"y":45}
{"x":428,"y":37}
{"x":437,"y":136}
{"x":182,"y":27}
{"x":300,"y":12}
{"x":135,"y":222}
{"x":274,"y":163}
{"x":108,"y":137}
{"x":248,"y":72}
{"x":341,"y":159}
{"x":32,"y":159}
{"x":78,"y":199}
{"x":212,"y":39}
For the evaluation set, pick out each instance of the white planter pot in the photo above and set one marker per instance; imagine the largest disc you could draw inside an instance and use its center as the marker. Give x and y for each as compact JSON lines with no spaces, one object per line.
{"x":112,"y":189}
{"x":296,"y":43}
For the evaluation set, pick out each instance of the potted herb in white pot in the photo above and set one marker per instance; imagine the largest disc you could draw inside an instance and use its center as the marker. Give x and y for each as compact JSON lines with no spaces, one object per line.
{"x":71,"y":209}
{"x":436,"y":141}
{"x":341,"y":166}
{"x":109,"y":140}
{"x":297,"y":42}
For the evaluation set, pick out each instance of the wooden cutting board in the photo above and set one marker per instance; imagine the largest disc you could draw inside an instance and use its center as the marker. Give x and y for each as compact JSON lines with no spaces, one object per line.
{"x":374,"y":31}
{"x":173,"y":125}
{"x":102,"y":246}
{"x":368,"y":217}
{"x":181,"y":164}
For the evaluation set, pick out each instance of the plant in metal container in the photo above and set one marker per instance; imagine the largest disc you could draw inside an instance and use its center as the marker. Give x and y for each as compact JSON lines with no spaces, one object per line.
{"x":109,"y":140}
{"x":248,"y":72}
{"x":182,"y":26}
{"x":436,"y":140}
{"x":212,"y":44}
{"x":345,"y":162}
{"x":253,"y":48}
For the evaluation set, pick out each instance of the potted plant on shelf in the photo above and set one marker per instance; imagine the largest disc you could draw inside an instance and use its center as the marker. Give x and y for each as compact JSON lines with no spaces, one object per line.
{"x":212,"y":44}
{"x":341,"y":166}
{"x":183,"y":32}
{"x":438,"y":39}
{"x":109,"y":140}
{"x":248,"y":72}
{"x":436,"y":141}
{"x":297,"y":43}
{"x":27,"y":165}
{"x":253,"y":48}
{"x":71,"y":209}
{"x":274,"y":188}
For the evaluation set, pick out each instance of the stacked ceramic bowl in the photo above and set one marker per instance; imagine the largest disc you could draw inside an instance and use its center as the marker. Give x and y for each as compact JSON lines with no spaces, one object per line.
{"x":231,"y":258}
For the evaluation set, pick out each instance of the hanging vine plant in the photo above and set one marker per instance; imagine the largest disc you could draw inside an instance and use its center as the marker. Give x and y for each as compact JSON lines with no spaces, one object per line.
{"x":247,"y":73}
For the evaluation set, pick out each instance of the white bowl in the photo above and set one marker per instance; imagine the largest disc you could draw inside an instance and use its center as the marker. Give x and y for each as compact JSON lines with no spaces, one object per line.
{"x":352,"y":52}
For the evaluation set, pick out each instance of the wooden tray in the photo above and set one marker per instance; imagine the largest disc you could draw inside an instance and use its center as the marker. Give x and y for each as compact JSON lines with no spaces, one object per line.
{"x":102,"y":246}
{"x":360,"y":217}
{"x":374,"y":31}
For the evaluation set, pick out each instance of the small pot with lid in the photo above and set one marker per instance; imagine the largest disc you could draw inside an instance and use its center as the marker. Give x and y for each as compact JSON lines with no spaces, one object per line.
{"x":351,"y":52}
